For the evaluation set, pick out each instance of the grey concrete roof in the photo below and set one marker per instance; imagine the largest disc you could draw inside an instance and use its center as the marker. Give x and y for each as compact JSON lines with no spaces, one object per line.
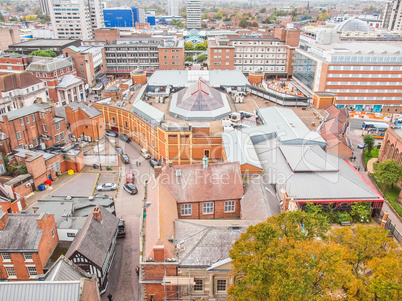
{"x":183,"y":78}
{"x":46,"y":42}
{"x":17,"y":179}
{"x":289,"y":127}
{"x":239,"y":147}
{"x":65,"y":270}
{"x":40,"y":290}
{"x":49,"y":65}
{"x":23,"y":153}
{"x":148,"y":112}
{"x":95,"y":238}
{"x":36,"y":107}
{"x":90,"y":111}
{"x":344,"y":183}
{"x":20,"y":234}
{"x":69,"y":80}
{"x":206,"y":242}
{"x":60,"y":210}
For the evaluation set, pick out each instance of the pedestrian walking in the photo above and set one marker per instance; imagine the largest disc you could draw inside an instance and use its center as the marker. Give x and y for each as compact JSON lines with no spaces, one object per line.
{"x":136,"y":163}
{"x":137,"y":270}
{"x":110,"y":297}
{"x":139,"y":162}
{"x":358,"y":168}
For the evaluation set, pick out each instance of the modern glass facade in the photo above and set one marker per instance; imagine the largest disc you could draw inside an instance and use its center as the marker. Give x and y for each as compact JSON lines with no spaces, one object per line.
{"x":304,"y":69}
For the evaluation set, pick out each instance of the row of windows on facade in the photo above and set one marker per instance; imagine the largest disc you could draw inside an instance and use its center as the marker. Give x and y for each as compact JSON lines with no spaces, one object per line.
{"x":242,"y":49}
{"x":371,"y":59}
{"x":11,"y":272}
{"x":366,"y":83}
{"x":172,"y":50}
{"x":221,"y":285}
{"x":252,"y":68}
{"x":257,"y":43}
{"x":365,"y":75}
{"x":173,"y":57}
{"x":364,"y":90}
{"x":272,"y":56}
{"x":367,"y":98}
{"x":367,"y":68}
{"x":61,"y":71}
{"x":37,"y":87}
{"x":260,"y":62}
{"x":207,"y":208}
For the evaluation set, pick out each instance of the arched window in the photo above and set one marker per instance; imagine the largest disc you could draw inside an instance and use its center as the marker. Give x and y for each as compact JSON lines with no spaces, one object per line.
{"x":386,"y":150}
{"x":396,"y":155}
{"x":390,"y":152}
{"x":399,"y":159}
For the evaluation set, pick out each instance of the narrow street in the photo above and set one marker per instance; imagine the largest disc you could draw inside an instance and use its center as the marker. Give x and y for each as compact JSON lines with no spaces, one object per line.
{"x":123,"y":280}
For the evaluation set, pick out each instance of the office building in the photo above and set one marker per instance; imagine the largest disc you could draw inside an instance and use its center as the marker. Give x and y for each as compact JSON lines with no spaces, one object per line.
{"x":56,"y":46}
{"x":44,"y":7}
{"x":119,"y":17}
{"x":193,"y":14}
{"x":364,"y":75}
{"x":393,"y":15}
{"x":75,"y":19}
{"x":173,"y":7}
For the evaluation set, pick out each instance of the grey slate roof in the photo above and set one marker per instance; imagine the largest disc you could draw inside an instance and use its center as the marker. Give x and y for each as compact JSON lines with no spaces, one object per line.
{"x":36,"y":107}
{"x":289,"y":127}
{"x":148,"y":112}
{"x":95,"y":238}
{"x":344,"y":183}
{"x":49,"y":65}
{"x":206,"y":242}
{"x":90,"y":111}
{"x":40,"y":290}
{"x":20,"y":234}
{"x":45,"y":42}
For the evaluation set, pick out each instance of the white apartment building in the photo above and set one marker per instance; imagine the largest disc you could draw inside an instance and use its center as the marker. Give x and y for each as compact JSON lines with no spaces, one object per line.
{"x":268,"y":55}
{"x":75,"y":19}
{"x":173,"y":7}
{"x":393,"y":15}
{"x":193,"y":14}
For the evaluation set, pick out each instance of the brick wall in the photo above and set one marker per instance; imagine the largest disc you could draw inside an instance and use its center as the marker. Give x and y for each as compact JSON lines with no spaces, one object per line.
{"x":154,"y":271}
{"x":49,"y":241}
{"x":80,"y":124}
{"x":171,"y":58}
{"x":14,"y":63}
{"x":219,"y":210}
{"x":109,"y":35}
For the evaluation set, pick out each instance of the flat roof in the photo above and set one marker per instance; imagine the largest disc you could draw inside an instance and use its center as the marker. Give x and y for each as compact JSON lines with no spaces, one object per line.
{"x":45,"y":42}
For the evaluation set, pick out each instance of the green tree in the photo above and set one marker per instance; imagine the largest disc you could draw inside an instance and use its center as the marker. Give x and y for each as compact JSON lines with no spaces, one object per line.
{"x":263,"y":10}
{"x":244,"y":23}
{"x":188,"y":46}
{"x":200,"y":46}
{"x":205,"y":43}
{"x":218,"y":16}
{"x":37,"y":11}
{"x":204,"y":16}
{"x":189,"y":58}
{"x":254,"y":24}
{"x":369,"y":141}
{"x":202,"y":57}
{"x":177,"y":23}
{"x":183,"y":15}
{"x":281,"y":260}
{"x":323,"y":17}
{"x":1,"y":17}
{"x":389,"y":172}
{"x":46,"y":53}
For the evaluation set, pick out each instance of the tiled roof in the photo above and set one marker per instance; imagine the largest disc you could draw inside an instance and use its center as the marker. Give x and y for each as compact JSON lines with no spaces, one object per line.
{"x":49,"y":65}
{"x":21,"y":233}
{"x":95,"y":238}
{"x":10,"y":81}
{"x":90,"y":111}
{"x":335,"y":112}
{"x":36,"y":107}
{"x":332,"y":126}
{"x":219,"y":181}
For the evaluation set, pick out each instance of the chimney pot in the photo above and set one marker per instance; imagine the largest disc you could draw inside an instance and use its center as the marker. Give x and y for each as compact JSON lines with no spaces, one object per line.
{"x":97,"y":214}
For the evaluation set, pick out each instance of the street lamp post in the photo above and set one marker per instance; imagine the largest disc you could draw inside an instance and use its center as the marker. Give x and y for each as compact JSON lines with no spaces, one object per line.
{"x":97,"y":130}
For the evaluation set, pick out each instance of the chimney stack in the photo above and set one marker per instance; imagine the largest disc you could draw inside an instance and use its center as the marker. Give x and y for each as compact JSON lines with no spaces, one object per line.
{"x":3,"y":220}
{"x":159,"y":253}
{"x":286,"y":200}
{"x":97,"y":214}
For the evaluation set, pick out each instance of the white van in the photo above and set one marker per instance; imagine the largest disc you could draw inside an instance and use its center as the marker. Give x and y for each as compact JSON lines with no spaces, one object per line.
{"x":145,"y":153}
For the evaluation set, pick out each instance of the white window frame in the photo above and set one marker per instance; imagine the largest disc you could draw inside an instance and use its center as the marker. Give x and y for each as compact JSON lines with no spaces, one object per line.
{"x":230,"y":206}
{"x":45,"y":127}
{"x":206,"y":208}
{"x":28,"y":257}
{"x":19,"y":137}
{"x":10,"y":273}
{"x":57,"y":138}
{"x":186,"y":209}
{"x":62,"y":136}
{"x":217,"y":285}
{"x":33,"y":272}
{"x":58,"y":125}
{"x":28,"y":121}
{"x":6,"y":258}
{"x":22,"y":121}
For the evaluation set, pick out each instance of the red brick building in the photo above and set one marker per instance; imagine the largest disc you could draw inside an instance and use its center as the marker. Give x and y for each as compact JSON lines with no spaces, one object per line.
{"x":26,"y":243}
{"x":86,"y":122}
{"x":31,"y":126}
{"x":391,"y":146}
{"x":220,"y":55}
{"x":89,"y":61}
{"x":14,"y":61}
{"x":52,"y":71}
{"x":171,"y":55}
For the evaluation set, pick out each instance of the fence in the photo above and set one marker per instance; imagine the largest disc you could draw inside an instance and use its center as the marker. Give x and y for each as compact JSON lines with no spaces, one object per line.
{"x":390,"y":227}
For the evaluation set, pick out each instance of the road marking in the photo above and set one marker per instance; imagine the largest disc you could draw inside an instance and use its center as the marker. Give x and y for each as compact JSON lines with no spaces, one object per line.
{"x":96,"y":182}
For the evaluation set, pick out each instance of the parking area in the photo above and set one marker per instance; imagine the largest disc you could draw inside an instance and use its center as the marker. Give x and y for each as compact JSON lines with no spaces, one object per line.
{"x":79,"y":185}
{"x":108,"y":177}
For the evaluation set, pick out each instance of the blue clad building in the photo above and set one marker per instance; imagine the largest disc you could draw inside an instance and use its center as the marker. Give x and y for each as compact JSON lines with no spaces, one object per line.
{"x":151,"y":20}
{"x":118,"y":17}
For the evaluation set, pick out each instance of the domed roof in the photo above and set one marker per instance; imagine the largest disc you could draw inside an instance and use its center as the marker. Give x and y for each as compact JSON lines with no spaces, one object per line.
{"x":353,"y":25}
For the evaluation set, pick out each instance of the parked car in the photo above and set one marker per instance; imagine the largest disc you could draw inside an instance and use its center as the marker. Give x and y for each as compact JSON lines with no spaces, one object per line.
{"x":121,"y":229}
{"x":145,"y":153}
{"x":119,"y":150}
{"x":125,"y":159}
{"x":153,"y":162}
{"x":125,"y":138}
{"x":362,"y":145}
{"x":130,"y":178}
{"x":111,"y":133}
{"x":107,"y":187}
{"x":130,"y":188}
